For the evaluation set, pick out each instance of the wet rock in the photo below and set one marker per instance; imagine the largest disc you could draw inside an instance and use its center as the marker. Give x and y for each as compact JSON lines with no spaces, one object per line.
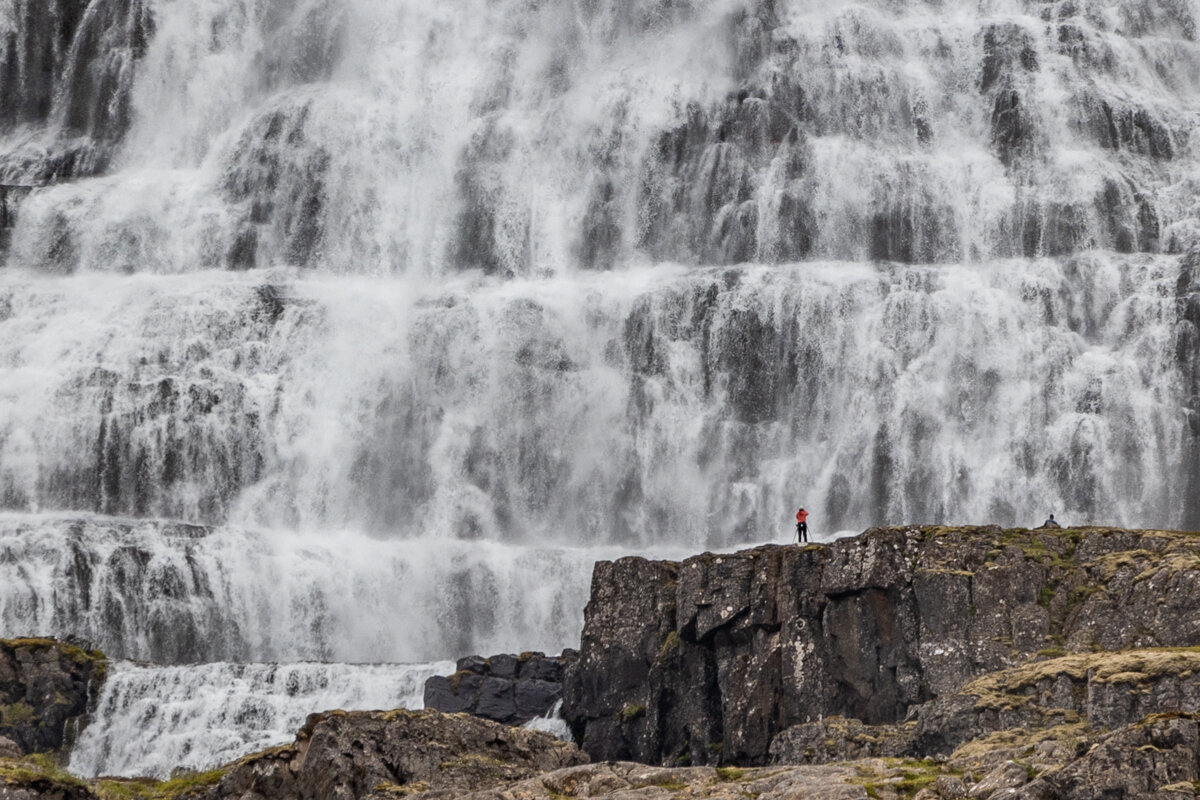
{"x":505,"y":688}
{"x":45,"y":687}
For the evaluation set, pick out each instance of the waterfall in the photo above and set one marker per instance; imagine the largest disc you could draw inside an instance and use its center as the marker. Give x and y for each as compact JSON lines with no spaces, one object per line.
{"x":357,"y":330}
{"x":180,"y":593}
{"x":152,"y":720}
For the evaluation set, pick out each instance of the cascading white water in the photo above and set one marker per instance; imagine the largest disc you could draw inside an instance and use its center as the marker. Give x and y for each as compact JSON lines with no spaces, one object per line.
{"x":175,"y":593}
{"x":152,"y":720}
{"x":413,"y":310}
{"x":678,"y":409}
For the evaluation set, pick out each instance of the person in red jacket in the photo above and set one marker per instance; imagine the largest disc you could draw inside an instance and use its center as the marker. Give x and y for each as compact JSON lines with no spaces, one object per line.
{"x":801,"y":526}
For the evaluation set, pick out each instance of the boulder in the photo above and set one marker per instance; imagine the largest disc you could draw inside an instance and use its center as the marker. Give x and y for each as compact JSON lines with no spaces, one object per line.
{"x":347,"y":756}
{"x":505,"y":688}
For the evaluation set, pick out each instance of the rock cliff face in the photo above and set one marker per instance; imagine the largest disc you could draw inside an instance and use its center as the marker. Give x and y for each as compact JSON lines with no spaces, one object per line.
{"x":510,"y":689}
{"x":707,"y":660}
{"x":44,"y":691}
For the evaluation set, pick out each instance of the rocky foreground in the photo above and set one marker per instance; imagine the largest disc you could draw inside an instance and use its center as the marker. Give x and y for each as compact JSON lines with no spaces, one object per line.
{"x":927,"y":663}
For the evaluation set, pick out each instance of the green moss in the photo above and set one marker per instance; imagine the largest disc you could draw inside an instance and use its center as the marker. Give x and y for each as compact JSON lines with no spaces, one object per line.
{"x":1006,"y":689}
{"x":670,"y":647}
{"x":1045,"y":596}
{"x":895,"y":777}
{"x":730,"y":773}
{"x":912,"y":782}
{"x":18,"y":713}
{"x":177,"y":788}
{"x":631,"y":712}
{"x":37,"y":769}
{"x":183,"y":784}
{"x":457,"y":677}
{"x":1050,"y":652}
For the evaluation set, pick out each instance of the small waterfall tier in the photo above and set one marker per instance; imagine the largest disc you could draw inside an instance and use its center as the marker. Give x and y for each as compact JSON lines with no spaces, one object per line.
{"x":152,"y":720}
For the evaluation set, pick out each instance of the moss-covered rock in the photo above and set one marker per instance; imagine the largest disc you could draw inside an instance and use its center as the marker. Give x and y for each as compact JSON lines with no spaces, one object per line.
{"x":45,"y":686}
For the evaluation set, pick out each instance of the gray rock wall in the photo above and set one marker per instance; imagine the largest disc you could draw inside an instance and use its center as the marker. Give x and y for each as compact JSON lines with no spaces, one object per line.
{"x":706,"y":661}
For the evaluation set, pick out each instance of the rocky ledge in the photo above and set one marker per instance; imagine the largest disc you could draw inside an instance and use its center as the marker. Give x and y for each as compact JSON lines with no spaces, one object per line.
{"x":709,"y":660}
{"x":512,"y":689}
{"x":905,"y":664}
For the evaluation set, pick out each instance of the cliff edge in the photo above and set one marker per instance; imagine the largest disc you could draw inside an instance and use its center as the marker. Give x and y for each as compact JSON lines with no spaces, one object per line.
{"x":707,"y":661}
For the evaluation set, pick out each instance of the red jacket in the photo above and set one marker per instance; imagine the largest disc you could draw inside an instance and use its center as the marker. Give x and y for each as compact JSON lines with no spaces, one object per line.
{"x":801,"y":515}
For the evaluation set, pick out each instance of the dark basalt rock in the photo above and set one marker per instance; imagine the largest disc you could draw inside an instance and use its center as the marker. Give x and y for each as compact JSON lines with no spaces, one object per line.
{"x":345,"y":756}
{"x":505,"y":688}
{"x":708,"y":660}
{"x":45,"y":687}
{"x":1187,"y":355}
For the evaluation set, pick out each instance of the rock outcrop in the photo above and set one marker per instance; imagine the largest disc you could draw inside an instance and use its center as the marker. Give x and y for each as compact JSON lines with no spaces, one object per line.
{"x":1158,"y":759}
{"x":45,"y":687}
{"x":706,"y":661}
{"x":340,"y":756}
{"x":510,"y":689}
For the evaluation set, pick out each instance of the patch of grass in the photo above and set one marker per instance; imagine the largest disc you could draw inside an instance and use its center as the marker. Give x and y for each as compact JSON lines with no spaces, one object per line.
{"x":670,"y":647}
{"x":730,"y":773}
{"x":18,"y":713}
{"x":630,"y":712}
{"x":395,"y":790}
{"x":456,"y":679}
{"x":1045,"y":596}
{"x":37,"y":768}
{"x":1005,"y":689}
{"x":181,"y":786}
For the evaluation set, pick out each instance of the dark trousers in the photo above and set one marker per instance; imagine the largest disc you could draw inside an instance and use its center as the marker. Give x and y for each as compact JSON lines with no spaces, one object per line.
{"x":801,"y":531}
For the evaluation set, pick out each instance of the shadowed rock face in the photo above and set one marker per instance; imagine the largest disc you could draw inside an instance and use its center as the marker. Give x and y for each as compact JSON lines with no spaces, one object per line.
{"x":44,"y":692}
{"x":709,"y":659}
{"x":510,"y":689}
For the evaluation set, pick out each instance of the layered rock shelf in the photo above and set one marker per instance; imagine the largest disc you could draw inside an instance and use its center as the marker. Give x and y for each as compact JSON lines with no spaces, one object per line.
{"x":919,"y":663}
{"x":512,"y":689}
{"x":710,"y":659}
